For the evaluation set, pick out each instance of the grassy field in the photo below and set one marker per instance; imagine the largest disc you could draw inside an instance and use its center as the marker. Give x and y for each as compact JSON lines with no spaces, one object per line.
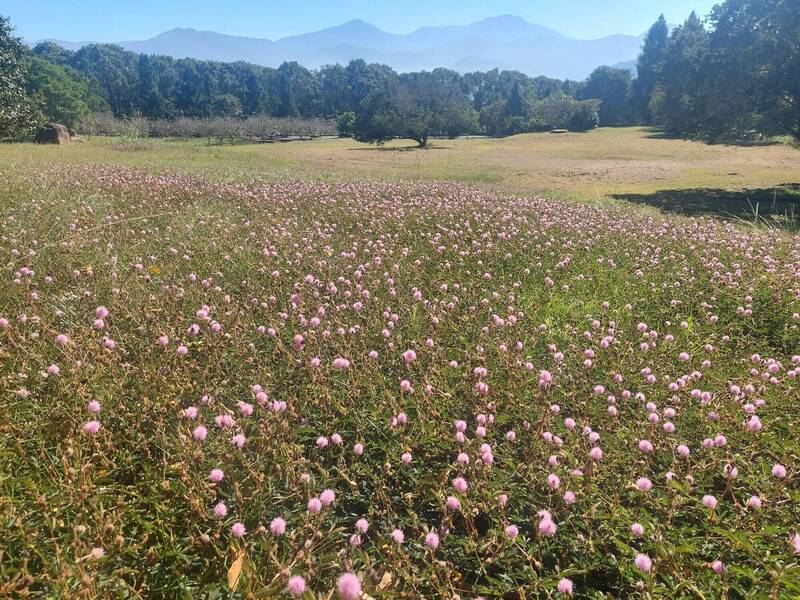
{"x":279,"y":371}
{"x":604,"y":162}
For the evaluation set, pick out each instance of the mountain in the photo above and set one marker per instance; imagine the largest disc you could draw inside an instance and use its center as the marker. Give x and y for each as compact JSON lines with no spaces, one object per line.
{"x":505,"y":42}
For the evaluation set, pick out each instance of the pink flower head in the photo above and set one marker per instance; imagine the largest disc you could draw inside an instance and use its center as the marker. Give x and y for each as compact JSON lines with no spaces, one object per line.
{"x":314,"y":506}
{"x":362,"y":525}
{"x":453,"y":503}
{"x":216,"y":475}
{"x":348,"y":586}
{"x":432,"y":540}
{"x":565,"y":586}
{"x":92,"y":427}
{"x":327,"y":497}
{"x":398,"y":536}
{"x":460,"y":485}
{"x":238,"y":530}
{"x":644,"y":484}
{"x":220,"y":510}
{"x":512,"y":531}
{"x":779,"y":471}
{"x":296,"y":585}
{"x":709,"y":501}
{"x":277,"y":526}
{"x":643,"y":563}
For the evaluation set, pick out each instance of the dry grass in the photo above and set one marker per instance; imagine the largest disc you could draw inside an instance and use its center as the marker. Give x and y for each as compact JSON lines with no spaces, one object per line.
{"x":600,"y":163}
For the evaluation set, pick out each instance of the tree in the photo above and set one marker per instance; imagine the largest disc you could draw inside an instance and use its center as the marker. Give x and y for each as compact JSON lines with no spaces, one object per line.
{"x":226,"y":105}
{"x":17,"y":117}
{"x":61,"y":94}
{"x":648,"y":67}
{"x":755,"y":66}
{"x":679,"y":98}
{"x":613,"y":88}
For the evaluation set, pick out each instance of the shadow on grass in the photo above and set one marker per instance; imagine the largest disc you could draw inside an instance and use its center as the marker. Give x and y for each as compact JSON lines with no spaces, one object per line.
{"x":399,"y":148}
{"x":778,"y":206}
{"x":655,"y":133}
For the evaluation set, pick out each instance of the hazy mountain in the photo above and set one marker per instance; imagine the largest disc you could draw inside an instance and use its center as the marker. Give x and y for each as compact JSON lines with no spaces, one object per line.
{"x":506,"y":42}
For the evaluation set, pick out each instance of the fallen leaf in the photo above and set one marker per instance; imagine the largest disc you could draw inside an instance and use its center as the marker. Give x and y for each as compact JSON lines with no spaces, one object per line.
{"x":235,"y":571}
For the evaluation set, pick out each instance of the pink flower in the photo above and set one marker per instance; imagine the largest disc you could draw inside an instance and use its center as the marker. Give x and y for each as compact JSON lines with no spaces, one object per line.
{"x":358,"y":449}
{"x":460,"y":485}
{"x":409,"y":356}
{"x":779,"y":471}
{"x":277,"y":526}
{"x":718,"y":567}
{"x":92,"y":427}
{"x":314,"y":506}
{"x":512,"y":531}
{"x":644,"y":484}
{"x":238,"y":530}
{"x":199,"y":433}
{"x":216,"y":475}
{"x":341,"y":363}
{"x":453,"y":503}
{"x":348,"y":586}
{"x":398,"y":536}
{"x":637,"y":530}
{"x":220,"y":510}
{"x":643,"y":563}
{"x":296,"y":585}
{"x":795,"y":542}
{"x":565,"y":586}
{"x":327,"y":497}
{"x":432,"y":540}
{"x":709,"y":501}
{"x":406,"y":458}
{"x":362,"y":525}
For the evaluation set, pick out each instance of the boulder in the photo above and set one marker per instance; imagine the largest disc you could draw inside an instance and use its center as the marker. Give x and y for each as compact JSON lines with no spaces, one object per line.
{"x":53,"y":133}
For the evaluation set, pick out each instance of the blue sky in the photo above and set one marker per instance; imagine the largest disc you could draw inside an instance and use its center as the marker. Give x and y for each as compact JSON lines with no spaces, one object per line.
{"x":120,"y":20}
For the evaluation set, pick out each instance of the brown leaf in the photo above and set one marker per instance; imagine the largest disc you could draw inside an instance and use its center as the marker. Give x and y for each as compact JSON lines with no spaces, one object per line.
{"x":235,"y":571}
{"x":386,"y":581}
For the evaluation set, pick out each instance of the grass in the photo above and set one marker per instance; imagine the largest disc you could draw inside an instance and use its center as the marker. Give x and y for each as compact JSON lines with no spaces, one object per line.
{"x":600,"y":163}
{"x":169,"y":311}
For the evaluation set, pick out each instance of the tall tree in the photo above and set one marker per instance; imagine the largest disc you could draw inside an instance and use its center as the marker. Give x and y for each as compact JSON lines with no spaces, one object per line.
{"x":17,"y":117}
{"x":648,"y":67}
{"x":678,"y":102}
{"x":755,"y":47}
{"x":613,"y":88}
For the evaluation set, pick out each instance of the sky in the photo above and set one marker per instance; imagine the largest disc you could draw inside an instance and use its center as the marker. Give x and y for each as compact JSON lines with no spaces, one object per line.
{"x":124,"y":20}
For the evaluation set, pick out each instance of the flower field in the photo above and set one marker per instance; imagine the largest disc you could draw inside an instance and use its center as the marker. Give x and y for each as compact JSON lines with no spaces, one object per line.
{"x":389,"y":390}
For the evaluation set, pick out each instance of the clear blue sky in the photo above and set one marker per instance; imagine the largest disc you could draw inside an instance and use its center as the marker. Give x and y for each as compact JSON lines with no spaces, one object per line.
{"x":122,"y":20}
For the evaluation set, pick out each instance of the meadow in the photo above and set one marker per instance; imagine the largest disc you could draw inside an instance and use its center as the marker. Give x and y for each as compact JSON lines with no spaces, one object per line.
{"x":322,"y":369}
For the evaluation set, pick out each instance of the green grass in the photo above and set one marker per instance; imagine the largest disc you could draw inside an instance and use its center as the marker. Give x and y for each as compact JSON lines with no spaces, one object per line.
{"x":273,"y":236}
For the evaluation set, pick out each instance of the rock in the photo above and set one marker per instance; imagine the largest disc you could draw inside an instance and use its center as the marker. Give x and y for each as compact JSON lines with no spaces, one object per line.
{"x":53,"y":133}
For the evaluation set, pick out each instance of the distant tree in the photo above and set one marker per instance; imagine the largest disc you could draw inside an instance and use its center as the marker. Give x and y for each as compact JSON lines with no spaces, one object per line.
{"x":679,"y":99}
{"x":54,"y":53}
{"x":117,"y":73}
{"x":226,"y":105}
{"x":17,"y":115}
{"x":754,"y":68}
{"x":613,"y":88}
{"x":648,"y":68}
{"x":60,"y":93}
{"x":345,"y":123}
{"x":515,"y":103}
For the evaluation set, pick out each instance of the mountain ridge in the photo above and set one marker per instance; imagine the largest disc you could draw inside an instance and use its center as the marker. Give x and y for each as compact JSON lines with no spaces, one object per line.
{"x":503,"y":41}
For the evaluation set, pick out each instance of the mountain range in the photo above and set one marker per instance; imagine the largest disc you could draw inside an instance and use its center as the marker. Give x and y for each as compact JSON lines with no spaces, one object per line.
{"x":505,"y":42}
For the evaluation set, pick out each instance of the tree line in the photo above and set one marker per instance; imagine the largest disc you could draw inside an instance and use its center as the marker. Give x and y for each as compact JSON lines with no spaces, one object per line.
{"x":736,"y":75}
